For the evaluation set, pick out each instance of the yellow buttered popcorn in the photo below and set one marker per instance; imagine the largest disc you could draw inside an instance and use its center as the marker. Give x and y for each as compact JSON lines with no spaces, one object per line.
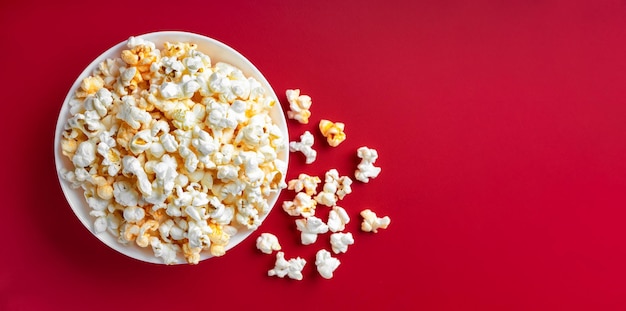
{"x":333,"y":131}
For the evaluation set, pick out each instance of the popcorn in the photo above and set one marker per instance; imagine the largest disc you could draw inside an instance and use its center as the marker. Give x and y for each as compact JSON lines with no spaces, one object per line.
{"x":166,"y":251}
{"x":99,"y":102}
{"x":333,"y":131}
{"x":326,"y":264}
{"x":172,"y":152}
{"x":371,"y":222}
{"x":143,"y":238}
{"x":132,"y":166}
{"x":340,"y":241}
{"x":134,"y":214}
{"x":131,"y":114}
{"x":292,"y":268}
{"x":305,"y":145}
{"x":310,"y":227}
{"x":337,"y":219}
{"x":304,"y":182}
{"x":366,"y":168}
{"x":335,"y":188}
{"x":220,"y":236}
{"x":125,"y":194}
{"x":229,"y":82}
{"x":91,"y":85}
{"x":100,"y":225}
{"x":85,"y":154}
{"x":302,"y":205}
{"x":299,"y":106}
{"x":267,"y":243}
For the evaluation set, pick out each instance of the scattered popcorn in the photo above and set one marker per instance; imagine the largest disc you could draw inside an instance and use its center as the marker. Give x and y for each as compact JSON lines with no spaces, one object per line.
{"x":366,"y":169}
{"x":371,"y":222}
{"x":337,"y":219}
{"x":333,"y":131}
{"x":340,"y":241}
{"x":305,"y":145}
{"x":267,"y":243}
{"x":174,"y":152}
{"x":299,"y":106}
{"x":335,"y":188}
{"x":310,"y":227}
{"x":292,"y":268}
{"x":326,"y":264}
{"x":304,"y":182}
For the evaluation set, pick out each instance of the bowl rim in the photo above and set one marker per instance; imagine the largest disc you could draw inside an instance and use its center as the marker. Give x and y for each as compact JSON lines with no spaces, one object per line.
{"x":221,"y":53}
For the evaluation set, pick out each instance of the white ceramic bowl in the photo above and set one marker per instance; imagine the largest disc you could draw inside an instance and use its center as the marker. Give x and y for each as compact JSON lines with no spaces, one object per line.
{"x":219,"y":52}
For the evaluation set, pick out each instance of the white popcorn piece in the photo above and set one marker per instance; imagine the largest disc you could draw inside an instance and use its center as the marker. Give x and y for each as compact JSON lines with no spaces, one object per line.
{"x":327,"y":198}
{"x":366,"y":169}
{"x":371,"y":222}
{"x":326,"y":264}
{"x":229,"y":82}
{"x":333,"y":131}
{"x":85,"y":154}
{"x":198,"y":234}
{"x":299,"y":106}
{"x":132,"y":166}
{"x":340,"y":241}
{"x":134,"y":214}
{"x":100,"y":224}
{"x":302,"y":205}
{"x":310,"y":227}
{"x":204,"y":143}
{"x":337,"y":219}
{"x":291,"y":268}
{"x":250,"y":163}
{"x":131,"y":114}
{"x":169,"y":142}
{"x":134,"y":42}
{"x":125,"y":194}
{"x":305,"y":145}
{"x":304,"y":182}
{"x":99,"y":102}
{"x":267,"y":243}
{"x":335,"y":188}
{"x":166,"y":251}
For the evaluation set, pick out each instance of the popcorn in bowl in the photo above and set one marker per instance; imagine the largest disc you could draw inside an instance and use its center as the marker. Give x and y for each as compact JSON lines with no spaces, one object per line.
{"x":171,"y":154}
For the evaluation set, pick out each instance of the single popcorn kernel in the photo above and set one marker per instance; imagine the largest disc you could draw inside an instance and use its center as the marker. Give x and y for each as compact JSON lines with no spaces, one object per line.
{"x":371,"y":222}
{"x":366,"y":169}
{"x":91,"y":85}
{"x":267,"y":243}
{"x":333,"y":131}
{"x":305,"y":145}
{"x":299,"y":106}
{"x":326,"y":264}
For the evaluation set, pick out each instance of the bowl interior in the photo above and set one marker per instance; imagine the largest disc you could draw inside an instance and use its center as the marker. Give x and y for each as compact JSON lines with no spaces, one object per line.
{"x":219,"y":52}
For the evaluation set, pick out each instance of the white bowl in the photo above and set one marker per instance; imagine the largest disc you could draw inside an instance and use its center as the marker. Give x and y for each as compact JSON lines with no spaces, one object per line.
{"x":219,"y":52}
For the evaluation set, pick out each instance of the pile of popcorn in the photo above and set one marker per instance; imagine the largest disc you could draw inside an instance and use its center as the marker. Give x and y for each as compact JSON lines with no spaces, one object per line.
{"x":172,"y":152}
{"x":307,"y":199}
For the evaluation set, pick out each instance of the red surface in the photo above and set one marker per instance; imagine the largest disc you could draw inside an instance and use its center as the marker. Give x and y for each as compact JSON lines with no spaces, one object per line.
{"x":500,"y":127}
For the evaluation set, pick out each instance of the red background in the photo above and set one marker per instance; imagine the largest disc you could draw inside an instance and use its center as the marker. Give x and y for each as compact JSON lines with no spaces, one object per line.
{"x":500,"y":127}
